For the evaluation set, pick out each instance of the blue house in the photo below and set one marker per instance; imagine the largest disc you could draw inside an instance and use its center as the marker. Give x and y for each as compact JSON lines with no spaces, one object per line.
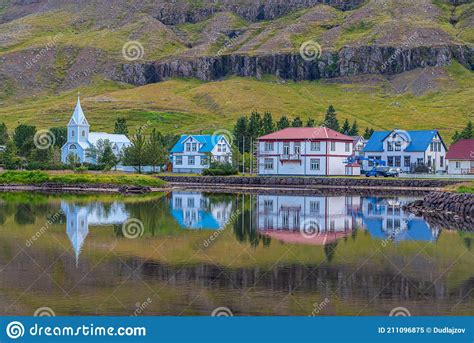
{"x":407,"y":150}
{"x":191,"y":153}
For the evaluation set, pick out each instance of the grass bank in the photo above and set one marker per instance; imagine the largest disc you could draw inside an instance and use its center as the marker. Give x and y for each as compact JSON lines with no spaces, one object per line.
{"x":38,"y":177}
{"x":467,"y":187}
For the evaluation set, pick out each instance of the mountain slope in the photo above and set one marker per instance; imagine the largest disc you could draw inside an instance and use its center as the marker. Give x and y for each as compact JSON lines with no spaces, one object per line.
{"x":386,"y":63}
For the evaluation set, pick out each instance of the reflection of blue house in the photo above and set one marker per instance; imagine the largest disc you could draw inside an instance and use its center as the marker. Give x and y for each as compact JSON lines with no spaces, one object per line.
{"x":384,"y":218}
{"x":194,"y":211}
{"x":79,"y":217}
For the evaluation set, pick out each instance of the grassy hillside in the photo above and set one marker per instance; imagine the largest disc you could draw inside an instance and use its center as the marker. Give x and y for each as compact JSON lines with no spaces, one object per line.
{"x":191,"y":106}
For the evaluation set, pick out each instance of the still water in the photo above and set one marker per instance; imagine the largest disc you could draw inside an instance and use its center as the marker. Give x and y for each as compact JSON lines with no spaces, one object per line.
{"x":190,"y":252}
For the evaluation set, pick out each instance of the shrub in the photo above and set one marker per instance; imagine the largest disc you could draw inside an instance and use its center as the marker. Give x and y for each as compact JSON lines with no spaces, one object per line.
{"x":220,"y":169}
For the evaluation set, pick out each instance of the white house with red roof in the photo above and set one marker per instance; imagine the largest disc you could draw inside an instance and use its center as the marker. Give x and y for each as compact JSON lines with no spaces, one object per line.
{"x":310,"y":151}
{"x":460,"y":157}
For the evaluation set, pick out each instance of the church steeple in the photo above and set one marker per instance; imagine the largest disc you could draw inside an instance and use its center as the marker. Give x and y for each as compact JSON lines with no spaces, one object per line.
{"x":78,"y":117}
{"x":78,"y":127}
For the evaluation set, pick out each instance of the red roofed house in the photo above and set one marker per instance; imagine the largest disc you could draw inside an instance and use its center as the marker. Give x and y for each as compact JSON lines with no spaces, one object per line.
{"x":460,"y":157}
{"x":307,"y":151}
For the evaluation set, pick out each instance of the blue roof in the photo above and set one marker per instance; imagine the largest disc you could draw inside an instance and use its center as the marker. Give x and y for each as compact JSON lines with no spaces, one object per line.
{"x":208,"y":142}
{"x":420,"y":140}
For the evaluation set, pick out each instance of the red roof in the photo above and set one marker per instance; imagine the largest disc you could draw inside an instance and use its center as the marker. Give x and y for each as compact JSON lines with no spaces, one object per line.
{"x":304,"y":133}
{"x":461,"y":150}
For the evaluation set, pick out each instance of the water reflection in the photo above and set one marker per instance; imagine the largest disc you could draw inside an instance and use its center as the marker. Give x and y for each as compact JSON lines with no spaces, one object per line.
{"x":194,"y":210}
{"x":262,"y":217}
{"x":79,"y":217}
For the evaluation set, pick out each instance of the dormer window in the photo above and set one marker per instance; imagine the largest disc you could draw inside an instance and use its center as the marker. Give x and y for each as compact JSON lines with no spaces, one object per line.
{"x":188,"y":146}
{"x":389,"y":146}
{"x":194,"y":146}
{"x":398,"y":146}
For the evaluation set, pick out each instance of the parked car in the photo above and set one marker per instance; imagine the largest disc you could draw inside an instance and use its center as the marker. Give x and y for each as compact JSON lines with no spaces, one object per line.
{"x":382,"y":171}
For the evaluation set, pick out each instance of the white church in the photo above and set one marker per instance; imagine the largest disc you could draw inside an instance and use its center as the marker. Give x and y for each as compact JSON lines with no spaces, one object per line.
{"x":79,"y":138}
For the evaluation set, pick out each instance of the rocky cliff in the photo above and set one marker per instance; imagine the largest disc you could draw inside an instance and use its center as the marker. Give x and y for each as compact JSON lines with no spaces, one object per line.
{"x":349,"y":61}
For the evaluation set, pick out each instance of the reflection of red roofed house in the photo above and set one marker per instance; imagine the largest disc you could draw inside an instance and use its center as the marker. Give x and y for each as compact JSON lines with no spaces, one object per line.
{"x":460,"y":157}
{"x":305,"y":151}
{"x":297,"y":237}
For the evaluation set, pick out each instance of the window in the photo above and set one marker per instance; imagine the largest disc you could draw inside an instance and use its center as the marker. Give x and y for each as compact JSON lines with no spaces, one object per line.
{"x":191,"y":160}
{"x":390,"y":161}
{"x":314,"y":207}
{"x":224,"y":147}
{"x":439,"y":146}
{"x":83,"y":133}
{"x":398,"y":146}
{"x":204,"y":160}
{"x":348,"y":147}
{"x":419,"y":161}
{"x":333,"y":146}
{"x":429,"y":161}
{"x":371,"y":158}
{"x":458,"y":165}
{"x":315,"y":164}
{"x":389,"y":146}
{"x":407,"y":161}
{"x":398,"y":161}
{"x":72,"y":133}
{"x":268,"y":205}
{"x":178,"y":160}
{"x":72,"y":147}
{"x":297,"y":148}
{"x":178,"y":202}
{"x":190,"y":202}
{"x":268,"y":164}
{"x":194,"y":146}
{"x":441,"y":161}
{"x":286,"y":148}
{"x":315,"y":146}
{"x":268,"y":146}
{"x":188,"y":146}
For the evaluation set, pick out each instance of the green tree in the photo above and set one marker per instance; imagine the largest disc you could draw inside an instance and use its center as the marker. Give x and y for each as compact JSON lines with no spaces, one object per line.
{"x":72,"y":159}
{"x":310,"y":122}
{"x":135,"y":154}
{"x":3,"y":134}
{"x":283,"y":123}
{"x":354,"y":131}
{"x":330,"y":120}
{"x":24,"y":139}
{"x":107,"y":158}
{"x":466,"y":133}
{"x":9,"y":156}
{"x":121,"y":126}
{"x":240,"y":133}
{"x":60,"y":135}
{"x":297,"y":122}
{"x":255,"y":127}
{"x":267,"y":123}
{"x":346,"y":127}
{"x":156,"y":151}
{"x":368,"y":132}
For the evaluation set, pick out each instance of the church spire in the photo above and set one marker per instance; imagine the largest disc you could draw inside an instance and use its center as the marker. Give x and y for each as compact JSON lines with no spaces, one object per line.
{"x":78,"y":117}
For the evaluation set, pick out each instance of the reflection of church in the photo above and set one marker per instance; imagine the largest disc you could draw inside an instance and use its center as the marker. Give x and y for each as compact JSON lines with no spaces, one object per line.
{"x":193,"y":210}
{"x":79,"y":217}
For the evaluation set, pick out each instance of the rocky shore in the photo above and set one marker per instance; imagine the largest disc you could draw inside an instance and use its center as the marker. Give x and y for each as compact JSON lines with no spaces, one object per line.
{"x":308,"y":182}
{"x":441,"y":204}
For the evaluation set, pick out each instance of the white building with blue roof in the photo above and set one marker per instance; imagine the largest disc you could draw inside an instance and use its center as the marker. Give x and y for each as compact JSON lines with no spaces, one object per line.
{"x":79,"y":139}
{"x":407,"y":150}
{"x":191,"y":153}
